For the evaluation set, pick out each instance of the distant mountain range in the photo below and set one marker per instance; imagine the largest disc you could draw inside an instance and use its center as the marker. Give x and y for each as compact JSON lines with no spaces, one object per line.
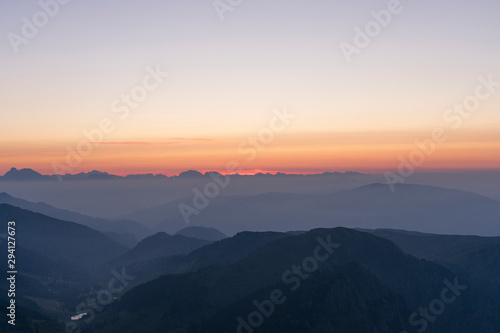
{"x":30,"y":175}
{"x":116,"y":228}
{"x":15,"y":174}
{"x":411,"y":207}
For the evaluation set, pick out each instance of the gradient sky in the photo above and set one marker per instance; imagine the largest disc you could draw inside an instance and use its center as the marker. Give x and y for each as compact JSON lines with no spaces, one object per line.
{"x":226,"y":77}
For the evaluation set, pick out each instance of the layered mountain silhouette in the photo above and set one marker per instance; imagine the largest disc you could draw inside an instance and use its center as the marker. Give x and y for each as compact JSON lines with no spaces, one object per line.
{"x":411,"y":207}
{"x":59,"y":240}
{"x":27,"y":174}
{"x":126,"y":239}
{"x":223,"y":252}
{"x":138,"y":230}
{"x":22,"y":175}
{"x":55,"y":259}
{"x":474,"y":258}
{"x":210,"y":234}
{"x":193,"y":278}
{"x":366,"y":284}
{"x":158,"y":246}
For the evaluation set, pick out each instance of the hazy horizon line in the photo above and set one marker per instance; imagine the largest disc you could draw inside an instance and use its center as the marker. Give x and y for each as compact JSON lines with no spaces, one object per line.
{"x":254,"y":172}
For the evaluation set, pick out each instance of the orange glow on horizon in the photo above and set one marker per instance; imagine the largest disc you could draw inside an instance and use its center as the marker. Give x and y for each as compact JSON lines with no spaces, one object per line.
{"x":288,"y":153}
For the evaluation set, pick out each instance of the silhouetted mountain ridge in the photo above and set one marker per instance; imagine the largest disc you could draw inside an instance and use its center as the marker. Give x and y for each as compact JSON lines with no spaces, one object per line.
{"x":62,"y":241}
{"x":411,"y":207}
{"x":27,"y":174}
{"x":100,"y":224}
{"x":367,"y":284}
{"x":199,"y":232}
{"x":159,"y":245}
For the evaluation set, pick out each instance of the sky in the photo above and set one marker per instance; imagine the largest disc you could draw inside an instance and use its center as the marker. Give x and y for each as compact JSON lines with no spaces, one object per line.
{"x":224,"y":72}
